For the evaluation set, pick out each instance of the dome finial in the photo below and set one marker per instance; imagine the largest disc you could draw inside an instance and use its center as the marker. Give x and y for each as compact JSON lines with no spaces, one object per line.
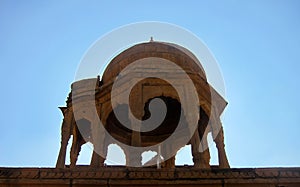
{"x":151,"y":39}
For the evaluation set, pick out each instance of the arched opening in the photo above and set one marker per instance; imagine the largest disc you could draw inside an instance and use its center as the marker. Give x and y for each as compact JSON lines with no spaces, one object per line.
{"x":157,"y":135}
{"x":115,"y":128}
{"x":184,"y":156}
{"x":123,"y":134}
{"x":69,"y":150}
{"x":80,"y":152}
{"x":115,"y":155}
{"x":151,"y":158}
{"x":212,"y":150}
{"x":85,"y":155}
{"x":169,"y":124}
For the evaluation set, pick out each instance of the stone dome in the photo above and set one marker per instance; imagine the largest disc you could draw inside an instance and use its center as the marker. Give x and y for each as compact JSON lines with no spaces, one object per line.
{"x":173,"y":52}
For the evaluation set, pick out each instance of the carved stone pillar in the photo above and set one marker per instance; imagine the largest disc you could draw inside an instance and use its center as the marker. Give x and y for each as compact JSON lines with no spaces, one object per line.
{"x":78,"y":141}
{"x":66,"y":131}
{"x":98,"y":140}
{"x":169,"y":163}
{"x":100,"y":149}
{"x":135,"y":157}
{"x":97,"y":159}
{"x":200,"y":153}
{"x":218,"y":135}
{"x":223,"y":161}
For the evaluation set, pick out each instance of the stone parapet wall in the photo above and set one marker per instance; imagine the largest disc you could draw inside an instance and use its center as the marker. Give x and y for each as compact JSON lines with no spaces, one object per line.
{"x":121,"y":176}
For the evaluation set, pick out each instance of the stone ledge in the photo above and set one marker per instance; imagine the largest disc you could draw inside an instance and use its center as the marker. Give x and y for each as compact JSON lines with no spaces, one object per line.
{"x":122,"y":176}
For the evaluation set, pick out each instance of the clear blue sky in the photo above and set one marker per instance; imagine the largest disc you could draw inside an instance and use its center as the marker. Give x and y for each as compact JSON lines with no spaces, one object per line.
{"x":256,"y":43}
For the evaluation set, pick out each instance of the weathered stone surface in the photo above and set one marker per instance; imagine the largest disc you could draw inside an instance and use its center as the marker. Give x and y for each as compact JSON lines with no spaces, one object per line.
{"x":122,"y":176}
